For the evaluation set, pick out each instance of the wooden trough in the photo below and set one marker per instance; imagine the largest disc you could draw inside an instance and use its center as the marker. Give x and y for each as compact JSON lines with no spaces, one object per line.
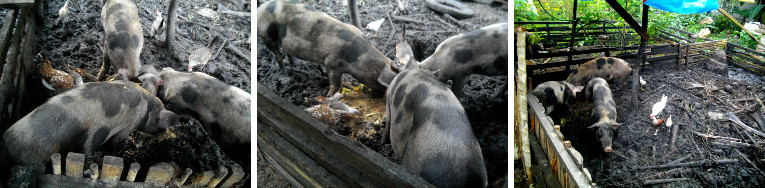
{"x":71,"y":171}
{"x":309,"y":153}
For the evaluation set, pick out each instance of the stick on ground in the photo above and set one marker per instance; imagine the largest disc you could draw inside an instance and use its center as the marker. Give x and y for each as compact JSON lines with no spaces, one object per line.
{"x":692,"y":164}
{"x":660,"y":181}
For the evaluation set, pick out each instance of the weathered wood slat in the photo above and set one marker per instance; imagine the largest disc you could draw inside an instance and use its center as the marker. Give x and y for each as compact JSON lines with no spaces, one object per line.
{"x":10,"y":71}
{"x":349,"y":160}
{"x":5,"y":35}
{"x":299,"y":168}
{"x":542,"y":22}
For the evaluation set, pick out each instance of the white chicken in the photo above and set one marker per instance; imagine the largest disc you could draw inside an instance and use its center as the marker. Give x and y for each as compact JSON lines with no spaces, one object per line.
{"x":642,"y":82}
{"x":62,"y":12}
{"x":375,"y":25}
{"x":657,"y":108}
{"x":157,"y":27}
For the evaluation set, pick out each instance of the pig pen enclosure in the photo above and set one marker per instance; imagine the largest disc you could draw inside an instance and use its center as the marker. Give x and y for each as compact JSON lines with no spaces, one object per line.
{"x":78,"y":41}
{"x":703,"y":147}
{"x":425,"y":30}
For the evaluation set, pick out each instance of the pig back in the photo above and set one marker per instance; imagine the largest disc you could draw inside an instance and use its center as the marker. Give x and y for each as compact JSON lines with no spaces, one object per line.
{"x":79,"y":120}
{"x":482,"y":51}
{"x":430,"y":132}
{"x":604,"y":67}
{"x":123,"y":36}
{"x":224,"y":110}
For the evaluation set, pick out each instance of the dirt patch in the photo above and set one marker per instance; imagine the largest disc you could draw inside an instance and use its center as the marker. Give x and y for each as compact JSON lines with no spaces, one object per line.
{"x":693,"y":94}
{"x":78,"y":41}
{"x":487,"y":115}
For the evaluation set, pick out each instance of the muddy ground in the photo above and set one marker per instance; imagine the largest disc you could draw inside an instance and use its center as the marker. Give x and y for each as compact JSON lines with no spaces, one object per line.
{"x":696,"y":95}
{"x":78,"y":42}
{"x":487,"y":115}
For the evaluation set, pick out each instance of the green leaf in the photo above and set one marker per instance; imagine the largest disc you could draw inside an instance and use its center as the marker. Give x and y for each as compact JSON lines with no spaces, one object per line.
{"x":755,"y":11}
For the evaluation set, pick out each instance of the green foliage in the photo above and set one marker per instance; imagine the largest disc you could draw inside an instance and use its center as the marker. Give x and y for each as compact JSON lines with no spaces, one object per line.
{"x":524,"y":11}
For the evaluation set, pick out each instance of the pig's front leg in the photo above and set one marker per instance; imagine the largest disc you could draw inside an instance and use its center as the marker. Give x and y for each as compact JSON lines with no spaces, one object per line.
{"x":334,"y":81}
{"x":457,"y":84}
{"x":104,"y":67}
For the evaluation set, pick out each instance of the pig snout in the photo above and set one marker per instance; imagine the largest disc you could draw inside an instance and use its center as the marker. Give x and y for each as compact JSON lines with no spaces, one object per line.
{"x":607,"y":150}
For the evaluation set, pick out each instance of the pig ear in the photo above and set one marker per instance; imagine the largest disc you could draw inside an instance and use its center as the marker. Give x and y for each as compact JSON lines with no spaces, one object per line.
{"x":386,"y":77}
{"x":578,"y":89}
{"x":593,"y":126}
{"x":412,"y":65}
{"x":616,"y":125}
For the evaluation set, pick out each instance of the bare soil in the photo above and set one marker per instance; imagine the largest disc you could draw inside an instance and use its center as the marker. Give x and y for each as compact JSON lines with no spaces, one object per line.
{"x":488,"y":115}
{"x":694,"y":93}
{"x":78,"y":41}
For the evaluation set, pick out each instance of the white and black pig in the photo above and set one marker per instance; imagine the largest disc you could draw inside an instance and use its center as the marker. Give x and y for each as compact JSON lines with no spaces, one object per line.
{"x":609,"y":68}
{"x":482,"y":51}
{"x":223,"y":110}
{"x":603,"y":115}
{"x":430,"y":131}
{"x":83,"y":119}
{"x":123,"y":38}
{"x":315,"y":36}
{"x":556,"y":94}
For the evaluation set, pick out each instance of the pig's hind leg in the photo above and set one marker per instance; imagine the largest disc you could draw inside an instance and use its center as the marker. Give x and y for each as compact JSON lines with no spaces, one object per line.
{"x":335,"y":79}
{"x":276,"y":51}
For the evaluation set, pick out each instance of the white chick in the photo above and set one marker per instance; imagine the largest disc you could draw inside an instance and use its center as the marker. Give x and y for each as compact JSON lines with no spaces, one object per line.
{"x":669,"y":122}
{"x":199,"y":57}
{"x":375,"y":25}
{"x":157,"y":27}
{"x":642,"y":82}
{"x":62,"y":12}
{"x":658,"y":107}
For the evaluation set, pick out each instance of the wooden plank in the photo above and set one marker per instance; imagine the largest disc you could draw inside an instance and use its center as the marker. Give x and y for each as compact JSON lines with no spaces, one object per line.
{"x":544,"y":165}
{"x":10,"y":71}
{"x":568,"y":172}
{"x":5,"y":35}
{"x":349,"y":160}
{"x":17,"y":2}
{"x":661,"y":58}
{"x":540,"y":29}
{"x":293,"y":163}
{"x":25,"y":68}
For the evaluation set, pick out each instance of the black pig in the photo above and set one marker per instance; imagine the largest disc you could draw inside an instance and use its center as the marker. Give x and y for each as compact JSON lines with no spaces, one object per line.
{"x":430,"y":132}
{"x":315,"y":36}
{"x":83,"y":119}
{"x":123,"y":38}
{"x":603,"y":115}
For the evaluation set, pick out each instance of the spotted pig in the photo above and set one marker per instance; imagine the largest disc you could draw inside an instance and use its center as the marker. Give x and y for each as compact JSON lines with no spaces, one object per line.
{"x":430,"y":132}
{"x":315,"y":36}
{"x":83,"y":119}
{"x":603,"y":116}
{"x":605,"y":67}
{"x":482,"y":51}
{"x":123,"y":38}
{"x":556,"y":94}
{"x":223,"y":110}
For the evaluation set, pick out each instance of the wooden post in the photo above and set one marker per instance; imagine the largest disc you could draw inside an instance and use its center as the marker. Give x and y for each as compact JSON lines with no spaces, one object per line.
{"x":171,"y":17}
{"x":523,"y":117}
{"x":641,"y":58}
{"x":573,"y":34}
{"x":353,"y":13}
